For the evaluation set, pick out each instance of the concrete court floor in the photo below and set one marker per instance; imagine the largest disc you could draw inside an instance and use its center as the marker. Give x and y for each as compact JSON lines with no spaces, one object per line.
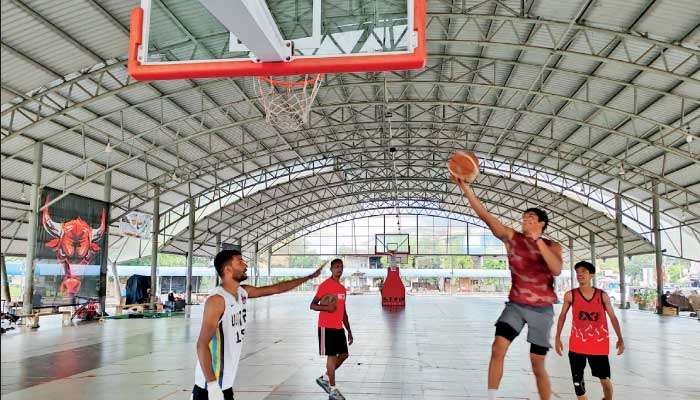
{"x":438,"y":348}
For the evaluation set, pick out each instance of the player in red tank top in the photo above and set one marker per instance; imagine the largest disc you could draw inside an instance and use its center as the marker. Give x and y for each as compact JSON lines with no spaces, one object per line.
{"x":534,"y":262}
{"x":589,"y":339}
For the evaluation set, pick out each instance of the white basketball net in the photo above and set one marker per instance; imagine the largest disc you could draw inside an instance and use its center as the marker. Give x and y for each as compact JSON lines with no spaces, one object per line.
{"x":288,"y":100}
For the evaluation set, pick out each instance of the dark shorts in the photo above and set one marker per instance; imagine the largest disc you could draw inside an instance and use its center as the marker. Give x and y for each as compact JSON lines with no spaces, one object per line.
{"x":539,"y":322}
{"x":332,"y":342}
{"x":600,"y":365}
{"x":201,"y":394}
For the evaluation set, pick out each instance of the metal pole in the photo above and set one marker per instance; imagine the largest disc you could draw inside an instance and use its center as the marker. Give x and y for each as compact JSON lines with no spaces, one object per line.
{"x":591,"y":239}
{"x":190,"y":254}
{"x":5,"y":281}
{"x":255,"y":263}
{"x":571,"y":261}
{"x":154,"y":245}
{"x":218,"y":249}
{"x":107,"y":197}
{"x":269,"y":264}
{"x":656,"y":220}
{"x":620,"y":249}
{"x":117,"y":283}
{"x":33,"y":227}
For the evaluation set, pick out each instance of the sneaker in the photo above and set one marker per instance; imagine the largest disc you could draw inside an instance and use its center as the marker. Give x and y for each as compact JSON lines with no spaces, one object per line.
{"x":335,"y":395}
{"x":324,"y":384}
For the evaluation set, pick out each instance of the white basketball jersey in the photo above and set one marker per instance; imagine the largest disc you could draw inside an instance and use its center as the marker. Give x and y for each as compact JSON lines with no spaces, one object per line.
{"x":227,"y":342}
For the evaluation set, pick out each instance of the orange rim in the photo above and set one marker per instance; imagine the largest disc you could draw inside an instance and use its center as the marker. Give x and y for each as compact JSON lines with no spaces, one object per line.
{"x":275,"y":82}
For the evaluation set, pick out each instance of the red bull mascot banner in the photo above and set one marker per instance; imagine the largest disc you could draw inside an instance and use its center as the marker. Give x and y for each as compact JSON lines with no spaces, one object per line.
{"x":71,"y":263}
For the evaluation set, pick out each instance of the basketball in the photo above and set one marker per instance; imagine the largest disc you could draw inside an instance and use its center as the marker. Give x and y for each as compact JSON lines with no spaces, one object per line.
{"x":327,"y":300}
{"x":464,"y":165}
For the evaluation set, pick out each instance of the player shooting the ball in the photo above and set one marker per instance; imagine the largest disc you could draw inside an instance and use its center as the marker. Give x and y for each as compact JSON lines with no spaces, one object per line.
{"x":330,"y":302}
{"x":534,"y":261}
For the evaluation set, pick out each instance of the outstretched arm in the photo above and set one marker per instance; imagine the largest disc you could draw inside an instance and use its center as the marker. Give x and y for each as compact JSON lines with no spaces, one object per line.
{"x":558,"y":346}
{"x":280,"y":287}
{"x":497,"y":228}
{"x":615,"y":323}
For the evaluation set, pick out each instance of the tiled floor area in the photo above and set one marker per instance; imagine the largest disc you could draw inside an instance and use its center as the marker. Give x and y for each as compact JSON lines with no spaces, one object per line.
{"x":438,"y":348}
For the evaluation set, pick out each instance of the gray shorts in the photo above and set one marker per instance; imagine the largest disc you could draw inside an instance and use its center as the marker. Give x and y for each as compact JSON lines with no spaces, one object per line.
{"x":539,"y":321}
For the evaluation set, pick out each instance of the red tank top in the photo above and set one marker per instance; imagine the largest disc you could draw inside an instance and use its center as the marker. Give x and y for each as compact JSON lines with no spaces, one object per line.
{"x":532,"y":281}
{"x":589,"y":329}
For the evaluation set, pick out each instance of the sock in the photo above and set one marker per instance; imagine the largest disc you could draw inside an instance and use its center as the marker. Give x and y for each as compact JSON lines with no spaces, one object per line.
{"x":493,"y":393}
{"x":325,"y":376}
{"x":332,"y":388}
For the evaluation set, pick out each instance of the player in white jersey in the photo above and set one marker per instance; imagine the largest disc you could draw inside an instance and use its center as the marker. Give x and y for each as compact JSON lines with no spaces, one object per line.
{"x":223,"y":325}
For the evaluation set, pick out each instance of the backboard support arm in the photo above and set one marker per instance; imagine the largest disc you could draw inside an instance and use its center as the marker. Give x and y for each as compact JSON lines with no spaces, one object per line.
{"x":252,"y":23}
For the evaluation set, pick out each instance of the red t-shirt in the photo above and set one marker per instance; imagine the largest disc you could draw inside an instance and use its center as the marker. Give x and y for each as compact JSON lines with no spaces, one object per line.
{"x":332,"y":320}
{"x":532,"y":281}
{"x":589,"y":329}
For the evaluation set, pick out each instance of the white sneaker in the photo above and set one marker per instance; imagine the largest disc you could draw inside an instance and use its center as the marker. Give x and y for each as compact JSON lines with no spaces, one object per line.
{"x":335,"y":395}
{"x":324,"y":384}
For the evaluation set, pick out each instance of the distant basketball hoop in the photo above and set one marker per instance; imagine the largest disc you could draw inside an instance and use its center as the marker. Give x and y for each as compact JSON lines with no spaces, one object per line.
{"x":287,"y":100}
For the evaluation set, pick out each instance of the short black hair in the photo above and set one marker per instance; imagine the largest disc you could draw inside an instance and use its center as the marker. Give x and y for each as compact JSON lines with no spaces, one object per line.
{"x":222,"y":258}
{"x":585,"y":264}
{"x":541,"y":215}
{"x":335,"y":261}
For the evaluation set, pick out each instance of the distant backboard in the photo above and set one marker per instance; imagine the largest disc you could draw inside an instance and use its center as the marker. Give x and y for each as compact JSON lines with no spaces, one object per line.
{"x":177,"y":39}
{"x":397,"y":243}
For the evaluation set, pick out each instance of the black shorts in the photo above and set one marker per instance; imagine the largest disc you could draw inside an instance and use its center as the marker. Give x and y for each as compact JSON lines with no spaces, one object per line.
{"x":201,"y":394}
{"x":600,"y":365}
{"x":332,"y":342}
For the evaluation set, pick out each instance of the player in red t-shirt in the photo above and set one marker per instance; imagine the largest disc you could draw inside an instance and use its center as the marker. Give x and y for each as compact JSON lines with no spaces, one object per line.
{"x":589,"y":331}
{"x":331,"y":335}
{"x":534,"y":262}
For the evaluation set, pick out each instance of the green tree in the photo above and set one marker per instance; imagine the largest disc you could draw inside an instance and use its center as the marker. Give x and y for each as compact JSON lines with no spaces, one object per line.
{"x":493,"y":263}
{"x":304,"y":261}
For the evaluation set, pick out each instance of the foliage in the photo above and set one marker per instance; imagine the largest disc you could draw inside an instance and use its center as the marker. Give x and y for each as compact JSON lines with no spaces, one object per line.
{"x":493,"y":263}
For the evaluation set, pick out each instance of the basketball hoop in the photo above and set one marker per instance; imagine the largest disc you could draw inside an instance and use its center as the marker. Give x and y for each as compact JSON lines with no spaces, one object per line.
{"x":288,"y":100}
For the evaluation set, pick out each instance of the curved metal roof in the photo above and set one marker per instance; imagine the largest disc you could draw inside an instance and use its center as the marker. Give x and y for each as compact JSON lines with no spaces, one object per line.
{"x":568,"y":103}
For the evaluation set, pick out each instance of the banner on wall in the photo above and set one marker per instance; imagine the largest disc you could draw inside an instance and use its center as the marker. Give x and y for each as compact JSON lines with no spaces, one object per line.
{"x":136,"y":224}
{"x":72,"y":243}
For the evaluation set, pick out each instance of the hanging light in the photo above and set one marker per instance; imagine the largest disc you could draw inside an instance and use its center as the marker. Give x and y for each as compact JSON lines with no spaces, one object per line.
{"x":174,"y":177}
{"x":621,"y":171}
{"x":108,"y":147}
{"x":23,"y":196}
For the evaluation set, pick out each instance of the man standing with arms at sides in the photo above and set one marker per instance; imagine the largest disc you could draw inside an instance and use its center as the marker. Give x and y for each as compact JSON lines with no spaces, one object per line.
{"x":589,"y":331}
{"x":534,"y":262}
{"x":331,"y":335}
{"x":223,"y":325}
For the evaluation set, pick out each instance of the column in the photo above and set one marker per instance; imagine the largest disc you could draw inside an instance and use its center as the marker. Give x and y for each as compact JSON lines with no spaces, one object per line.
{"x":591,"y":240}
{"x":255,"y":264}
{"x":218,"y":249}
{"x":107,"y":198}
{"x":190,"y":253}
{"x":620,"y":249}
{"x":5,"y":282}
{"x":269,"y":265}
{"x":659,"y":259}
{"x":33,"y":226}
{"x":154,"y":245}
{"x":571,"y":262}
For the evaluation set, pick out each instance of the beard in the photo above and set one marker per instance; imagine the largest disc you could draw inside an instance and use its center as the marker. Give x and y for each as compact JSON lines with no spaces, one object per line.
{"x":242,"y":278}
